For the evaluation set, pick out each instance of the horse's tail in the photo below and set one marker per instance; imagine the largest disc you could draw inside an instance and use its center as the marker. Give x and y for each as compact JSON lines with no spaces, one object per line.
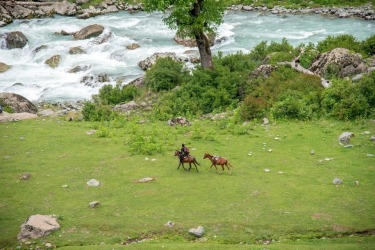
{"x":195,"y":160}
{"x":230,"y":164}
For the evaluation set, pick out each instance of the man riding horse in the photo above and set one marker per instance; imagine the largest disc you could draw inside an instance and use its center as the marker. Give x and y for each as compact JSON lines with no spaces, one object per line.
{"x":185,"y":152}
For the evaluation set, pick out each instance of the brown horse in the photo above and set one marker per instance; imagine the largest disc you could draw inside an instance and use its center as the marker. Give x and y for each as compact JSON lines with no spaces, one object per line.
{"x":218,"y":160}
{"x":188,"y":159}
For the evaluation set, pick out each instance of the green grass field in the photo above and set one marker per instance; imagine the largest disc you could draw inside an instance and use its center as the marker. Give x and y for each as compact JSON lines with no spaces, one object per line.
{"x":293,"y":206}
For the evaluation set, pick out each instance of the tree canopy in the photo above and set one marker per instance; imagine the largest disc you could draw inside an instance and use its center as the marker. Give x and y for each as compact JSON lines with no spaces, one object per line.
{"x":191,"y":18}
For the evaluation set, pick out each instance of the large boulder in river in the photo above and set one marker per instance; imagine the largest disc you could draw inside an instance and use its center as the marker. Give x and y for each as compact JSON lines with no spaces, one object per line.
{"x":93,"y":30}
{"x":339,"y":61}
{"x":17,"y":103}
{"x":4,"y":67}
{"x":15,"y":40}
{"x":53,"y":61}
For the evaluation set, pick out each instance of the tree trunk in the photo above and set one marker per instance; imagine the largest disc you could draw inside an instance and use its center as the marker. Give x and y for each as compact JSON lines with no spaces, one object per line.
{"x":201,"y":39}
{"x":204,"y":50}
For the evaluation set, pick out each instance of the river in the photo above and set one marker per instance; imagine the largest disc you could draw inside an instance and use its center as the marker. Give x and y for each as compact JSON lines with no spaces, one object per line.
{"x":32,"y":78}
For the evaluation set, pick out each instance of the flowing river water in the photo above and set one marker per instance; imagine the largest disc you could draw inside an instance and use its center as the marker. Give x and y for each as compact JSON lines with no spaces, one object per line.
{"x":31,"y":77}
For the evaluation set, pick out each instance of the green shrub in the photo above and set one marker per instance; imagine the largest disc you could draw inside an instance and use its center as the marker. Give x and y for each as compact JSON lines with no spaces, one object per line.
{"x":308,"y":56}
{"x":368,"y":46}
{"x":344,"y":101}
{"x":94,"y":112}
{"x":341,"y":41}
{"x":6,"y":108}
{"x":276,"y":57}
{"x":109,"y":94}
{"x":262,"y":50}
{"x":292,"y":104}
{"x":165,"y":74}
{"x":253,"y":107}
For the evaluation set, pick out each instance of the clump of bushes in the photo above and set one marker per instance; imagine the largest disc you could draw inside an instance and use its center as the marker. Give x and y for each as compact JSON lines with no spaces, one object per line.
{"x":165,"y":74}
{"x":285,"y":94}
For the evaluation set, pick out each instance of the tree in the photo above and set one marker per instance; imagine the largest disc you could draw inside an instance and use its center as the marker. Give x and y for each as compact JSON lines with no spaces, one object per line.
{"x":191,"y":18}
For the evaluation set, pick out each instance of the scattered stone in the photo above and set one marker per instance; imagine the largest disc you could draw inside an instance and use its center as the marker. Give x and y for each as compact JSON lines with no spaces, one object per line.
{"x":46,"y":113}
{"x":270,"y":150}
{"x":90,"y":132}
{"x":348,"y":146}
{"x":328,"y":159}
{"x":93,"y":183}
{"x":37,"y":226}
{"x":170,"y":224}
{"x":312,"y":152}
{"x":133,"y":46}
{"x":53,"y":61}
{"x":267,"y":170}
{"x":280,"y":172}
{"x":48,"y":245}
{"x":370,"y":155}
{"x":198,"y":232}
{"x":372,"y":138}
{"x":345,"y":137}
{"x":25,"y":177}
{"x":94,"y":204}
{"x":357,"y":182}
{"x":265,"y":121}
{"x":146,"y":179}
{"x":178,"y":121}
{"x":64,"y":186}
{"x":76,"y":50}
{"x":337,"y":181}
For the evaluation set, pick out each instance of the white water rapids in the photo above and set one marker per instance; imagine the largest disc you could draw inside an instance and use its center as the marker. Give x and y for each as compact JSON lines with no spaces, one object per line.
{"x":31,"y":77}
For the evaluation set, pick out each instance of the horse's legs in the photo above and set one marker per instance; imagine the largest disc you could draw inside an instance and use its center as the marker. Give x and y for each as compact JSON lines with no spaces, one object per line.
{"x":189,"y":165}
{"x":195,"y":166}
{"x":181,"y":163}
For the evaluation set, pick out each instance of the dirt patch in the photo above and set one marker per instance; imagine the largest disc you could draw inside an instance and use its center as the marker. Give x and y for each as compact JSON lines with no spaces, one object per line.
{"x":321,"y":216}
{"x":12,"y":117}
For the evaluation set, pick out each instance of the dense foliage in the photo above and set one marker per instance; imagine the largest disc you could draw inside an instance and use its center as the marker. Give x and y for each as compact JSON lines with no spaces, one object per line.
{"x":231,"y":85}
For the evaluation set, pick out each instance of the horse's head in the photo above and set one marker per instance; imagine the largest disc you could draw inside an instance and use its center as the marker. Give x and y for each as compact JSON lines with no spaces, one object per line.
{"x":205,"y":155}
{"x":177,"y":153}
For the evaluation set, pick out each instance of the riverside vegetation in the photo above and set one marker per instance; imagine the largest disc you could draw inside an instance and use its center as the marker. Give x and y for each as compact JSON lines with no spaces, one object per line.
{"x":280,"y":193}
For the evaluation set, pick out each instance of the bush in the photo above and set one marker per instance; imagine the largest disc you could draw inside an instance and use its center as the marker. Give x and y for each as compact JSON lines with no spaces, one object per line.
{"x":344,"y":101}
{"x":293,"y":104}
{"x":117,"y":94}
{"x":95,"y":112}
{"x":309,"y":55}
{"x":165,"y":74}
{"x":252,"y":108}
{"x":341,"y":41}
{"x":262,"y":50}
{"x":368,"y":46}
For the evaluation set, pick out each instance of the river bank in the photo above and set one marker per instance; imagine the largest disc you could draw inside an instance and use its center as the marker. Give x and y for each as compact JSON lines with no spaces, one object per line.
{"x":10,"y":10}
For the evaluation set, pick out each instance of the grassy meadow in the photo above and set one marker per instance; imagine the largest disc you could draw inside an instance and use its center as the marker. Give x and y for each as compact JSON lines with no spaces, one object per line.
{"x":292,"y":206}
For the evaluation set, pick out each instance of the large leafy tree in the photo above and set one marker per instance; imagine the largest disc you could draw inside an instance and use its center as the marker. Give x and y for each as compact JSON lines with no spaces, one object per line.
{"x":191,"y":18}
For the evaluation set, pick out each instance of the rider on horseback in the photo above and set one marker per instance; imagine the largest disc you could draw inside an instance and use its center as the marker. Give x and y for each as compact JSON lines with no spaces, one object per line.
{"x":185,"y":152}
